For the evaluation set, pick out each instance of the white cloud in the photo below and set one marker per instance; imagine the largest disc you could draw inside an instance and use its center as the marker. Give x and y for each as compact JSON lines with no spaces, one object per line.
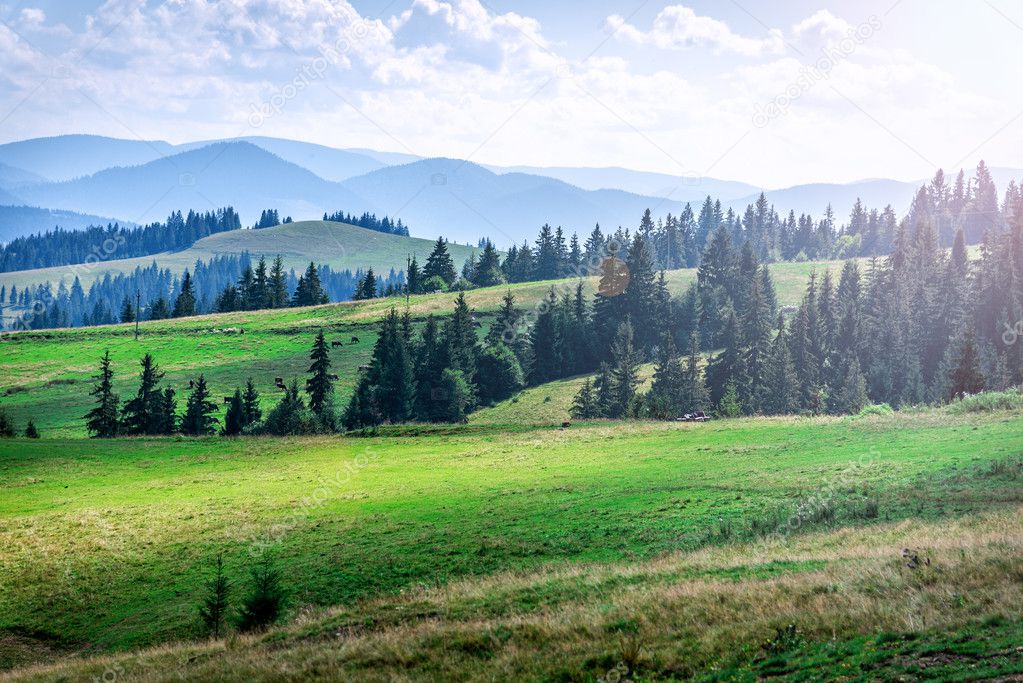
{"x":678,"y":27}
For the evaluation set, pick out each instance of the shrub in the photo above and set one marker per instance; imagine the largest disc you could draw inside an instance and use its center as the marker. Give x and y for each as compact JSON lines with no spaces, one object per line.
{"x":290,"y":417}
{"x":30,"y":431}
{"x":987,"y":402}
{"x":876,"y":409}
{"x":434,"y":284}
{"x":265,"y":601}
{"x":6,"y":425}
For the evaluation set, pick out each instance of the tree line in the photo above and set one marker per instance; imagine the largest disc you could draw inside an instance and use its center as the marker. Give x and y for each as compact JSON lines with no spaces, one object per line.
{"x":370,"y":222}
{"x":221,"y":284}
{"x":60,"y":247}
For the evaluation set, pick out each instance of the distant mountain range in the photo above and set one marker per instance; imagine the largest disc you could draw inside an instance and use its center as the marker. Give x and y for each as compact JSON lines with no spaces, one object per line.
{"x":143,"y":181}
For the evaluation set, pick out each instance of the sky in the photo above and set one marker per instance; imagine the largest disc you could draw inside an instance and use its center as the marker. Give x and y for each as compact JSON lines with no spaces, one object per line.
{"x":773,"y":94}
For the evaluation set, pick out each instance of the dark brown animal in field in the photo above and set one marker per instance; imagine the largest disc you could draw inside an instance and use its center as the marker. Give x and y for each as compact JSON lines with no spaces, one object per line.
{"x":336,"y":343}
{"x":355,"y":340}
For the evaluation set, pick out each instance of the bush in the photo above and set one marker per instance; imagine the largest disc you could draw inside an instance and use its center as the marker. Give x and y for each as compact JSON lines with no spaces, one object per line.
{"x":6,"y":425}
{"x":987,"y":402}
{"x":265,"y":601}
{"x":434,"y":284}
{"x":876,"y":409}
{"x":501,"y":372}
{"x":30,"y":431}
{"x":290,"y":417}
{"x":458,"y":396}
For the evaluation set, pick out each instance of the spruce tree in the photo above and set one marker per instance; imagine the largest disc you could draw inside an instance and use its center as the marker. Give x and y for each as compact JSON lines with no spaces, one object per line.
{"x":199,"y":409}
{"x":216,"y":602}
{"x":396,"y":388}
{"x":430,"y":361}
{"x":319,"y":386}
{"x":127,"y":311}
{"x":234,"y":419}
{"x":665,"y":396}
{"x":159,"y":309}
{"x":780,"y":394}
{"x":693,"y":396}
{"x":102,"y":421}
{"x":31,"y":432}
{"x":264,"y":603}
{"x":439,"y":263}
{"x":584,"y":405}
{"x":184,"y":305}
{"x":546,"y":345}
{"x":277,"y":285}
{"x":966,"y":378}
{"x":726,"y":368}
{"x":250,"y":402}
{"x":142,"y":414}
{"x":624,"y":372}
{"x":167,"y":417}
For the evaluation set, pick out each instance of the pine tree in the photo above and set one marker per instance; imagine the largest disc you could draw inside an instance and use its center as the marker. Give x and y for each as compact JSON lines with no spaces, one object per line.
{"x":665,"y":396}
{"x":102,"y":421}
{"x":851,"y":395}
{"x":319,"y":386}
{"x":184,"y":305}
{"x":430,"y":360}
{"x":250,"y":402}
{"x":159,"y":310}
{"x":31,"y":432}
{"x":584,"y":405}
{"x":216,"y":602}
{"x":624,"y":372}
{"x":439,"y":263}
{"x":142,"y":413}
{"x":488,"y":271}
{"x":726,"y":368}
{"x":545,"y":342}
{"x":693,"y":396}
{"x":127,"y":311}
{"x":277,"y":295}
{"x":460,"y":340}
{"x":414,"y":277}
{"x":966,"y":378}
{"x":780,"y":394}
{"x":264,"y":603}
{"x":234,"y":419}
{"x":198,"y":419}
{"x":167,"y":413}
{"x":396,"y":388}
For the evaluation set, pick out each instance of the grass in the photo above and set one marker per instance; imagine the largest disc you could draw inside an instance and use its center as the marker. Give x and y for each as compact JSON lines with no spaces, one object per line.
{"x":107,"y":543}
{"x":47,"y":374}
{"x":335,"y":244}
{"x":837,"y":605}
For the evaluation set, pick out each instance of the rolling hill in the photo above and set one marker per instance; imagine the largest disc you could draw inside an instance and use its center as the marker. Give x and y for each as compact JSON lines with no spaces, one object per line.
{"x":66,"y":157}
{"x":336,"y":244}
{"x":24,"y":220}
{"x":329,"y":163}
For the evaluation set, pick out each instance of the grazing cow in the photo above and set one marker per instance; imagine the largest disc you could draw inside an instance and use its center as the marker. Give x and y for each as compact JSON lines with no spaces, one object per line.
{"x":334,"y":377}
{"x":227,"y":399}
{"x":363,"y":368}
{"x":336,"y":344}
{"x":355,"y":340}
{"x":566,"y":425}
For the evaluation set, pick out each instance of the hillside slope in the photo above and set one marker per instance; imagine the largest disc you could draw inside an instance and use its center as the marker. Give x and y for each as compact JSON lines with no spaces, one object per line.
{"x":335,"y":244}
{"x":47,"y":374}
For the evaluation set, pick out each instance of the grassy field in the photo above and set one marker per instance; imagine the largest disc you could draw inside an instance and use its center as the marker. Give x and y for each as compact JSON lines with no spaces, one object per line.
{"x":335,"y":244}
{"x":106,"y":543}
{"x":46,"y":374}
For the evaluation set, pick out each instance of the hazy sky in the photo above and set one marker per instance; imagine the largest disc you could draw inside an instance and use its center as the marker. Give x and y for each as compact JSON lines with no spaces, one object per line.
{"x":761,"y":91}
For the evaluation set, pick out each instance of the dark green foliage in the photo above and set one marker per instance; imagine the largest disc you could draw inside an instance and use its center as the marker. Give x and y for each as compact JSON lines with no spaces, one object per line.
{"x":319,"y":386}
{"x":546,"y":342}
{"x":30,"y":430}
{"x":264,"y":603}
{"x":396,"y":387}
{"x":198,"y":419}
{"x":7,"y":429}
{"x":290,"y":417}
{"x":127,"y":311}
{"x":455,"y":396}
{"x":235,"y":418}
{"x":623,"y":373}
{"x":159,"y":310}
{"x":142,"y":414}
{"x":103,"y":420}
{"x":184,"y":305}
{"x":584,"y":405}
{"x":440,"y":264}
{"x":167,"y":417}
{"x":216,"y":602}
{"x":500,"y":374}
{"x":309,"y":291}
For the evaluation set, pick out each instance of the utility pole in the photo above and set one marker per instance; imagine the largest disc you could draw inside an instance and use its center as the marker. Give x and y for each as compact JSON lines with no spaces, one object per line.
{"x":138,"y":312}
{"x":408,"y":288}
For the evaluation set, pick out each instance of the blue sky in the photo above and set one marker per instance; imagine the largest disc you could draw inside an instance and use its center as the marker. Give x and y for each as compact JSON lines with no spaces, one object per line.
{"x":765,"y":92}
